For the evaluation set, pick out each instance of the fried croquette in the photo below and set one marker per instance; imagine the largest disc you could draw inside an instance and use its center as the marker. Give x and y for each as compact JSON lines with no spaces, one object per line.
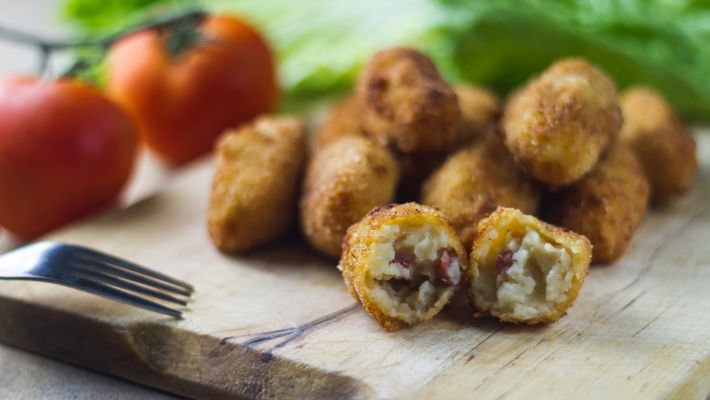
{"x":406,"y":102}
{"x":474,"y":181}
{"x":560,"y":123}
{"x":606,"y":205}
{"x":345,"y":119}
{"x":480,"y":110}
{"x":662,"y":143}
{"x":343,"y":182}
{"x":256,"y":181}
{"x":402,"y":263}
{"x":523,"y":270}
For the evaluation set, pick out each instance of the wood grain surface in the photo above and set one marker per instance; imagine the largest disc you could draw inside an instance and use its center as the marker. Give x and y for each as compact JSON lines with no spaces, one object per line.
{"x":280,"y":324}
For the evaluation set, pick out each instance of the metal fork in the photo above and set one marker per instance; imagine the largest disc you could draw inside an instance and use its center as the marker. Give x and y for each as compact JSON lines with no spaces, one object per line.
{"x":95,"y":272}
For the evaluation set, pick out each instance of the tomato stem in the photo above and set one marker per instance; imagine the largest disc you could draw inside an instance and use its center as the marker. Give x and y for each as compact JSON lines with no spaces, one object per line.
{"x":49,"y":46}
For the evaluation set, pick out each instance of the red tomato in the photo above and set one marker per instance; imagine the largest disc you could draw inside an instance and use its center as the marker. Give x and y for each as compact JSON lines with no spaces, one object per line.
{"x":182,"y":104}
{"x":65,"y":151}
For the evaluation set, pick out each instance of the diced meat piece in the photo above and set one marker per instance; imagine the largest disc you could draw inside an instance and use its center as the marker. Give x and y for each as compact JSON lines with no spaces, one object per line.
{"x":504,"y":261}
{"x":448,"y":271}
{"x":406,"y":259}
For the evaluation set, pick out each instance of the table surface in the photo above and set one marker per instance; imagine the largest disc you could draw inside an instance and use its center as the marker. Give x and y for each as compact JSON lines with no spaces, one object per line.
{"x":24,"y":375}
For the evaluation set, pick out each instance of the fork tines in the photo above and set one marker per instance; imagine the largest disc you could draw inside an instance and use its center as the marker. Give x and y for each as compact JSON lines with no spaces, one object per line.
{"x":127,"y":282}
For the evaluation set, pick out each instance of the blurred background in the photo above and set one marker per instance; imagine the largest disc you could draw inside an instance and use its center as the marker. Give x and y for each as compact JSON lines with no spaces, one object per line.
{"x":322,"y":44}
{"x":42,"y":17}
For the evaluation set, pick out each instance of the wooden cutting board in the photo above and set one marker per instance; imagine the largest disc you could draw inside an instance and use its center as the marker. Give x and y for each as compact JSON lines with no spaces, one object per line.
{"x":280,"y":324}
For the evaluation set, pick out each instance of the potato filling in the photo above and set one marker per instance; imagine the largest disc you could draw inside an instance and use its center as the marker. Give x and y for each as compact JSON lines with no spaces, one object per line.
{"x":532,"y":276}
{"x":411,"y":268}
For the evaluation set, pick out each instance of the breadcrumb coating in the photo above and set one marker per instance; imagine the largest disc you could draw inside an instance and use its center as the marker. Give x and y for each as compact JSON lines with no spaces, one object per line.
{"x":254,"y":190}
{"x":345,"y":119}
{"x":343,"y":182}
{"x":663,"y":144}
{"x":407,"y":103}
{"x":606,"y":205}
{"x":480,"y":110}
{"x":560,"y":123}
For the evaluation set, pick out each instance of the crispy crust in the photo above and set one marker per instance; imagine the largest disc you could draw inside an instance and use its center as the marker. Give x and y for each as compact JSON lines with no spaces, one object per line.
{"x":508,"y":219}
{"x":560,"y":123}
{"x":343,"y":182}
{"x":606,"y":205}
{"x":662,"y":143}
{"x":474,"y":181}
{"x":407,"y":103}
{"x":254,"y":189}
{"x":359,"y":243}
{"x":480,"y":111}
{"x":345,"y":119}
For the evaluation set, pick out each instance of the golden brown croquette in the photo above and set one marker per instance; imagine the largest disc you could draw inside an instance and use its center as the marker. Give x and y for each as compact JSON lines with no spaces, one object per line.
{"x":256,"y":181}
{"x":661,"y":142}
{"x":343,"y":182}
{"x":402,"y":263}
{"x":406,"y":102}
{"x":606,"y":205}
{"x":560,"y":123}
{"x":523,"y":270}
